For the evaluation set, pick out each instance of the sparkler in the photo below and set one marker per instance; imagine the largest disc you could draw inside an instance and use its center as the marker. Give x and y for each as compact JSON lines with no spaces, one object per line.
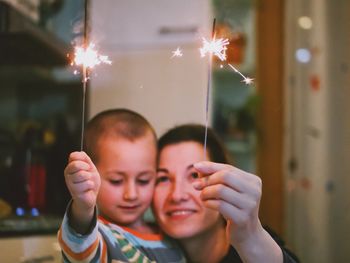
{"x":218,"y":48}
{"x":177,"y":53}
{"x":87,"y":57}
{"x":220,"y":52}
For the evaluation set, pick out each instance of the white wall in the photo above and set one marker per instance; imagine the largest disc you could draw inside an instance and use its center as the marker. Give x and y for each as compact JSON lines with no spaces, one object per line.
{"x":143,"y":76}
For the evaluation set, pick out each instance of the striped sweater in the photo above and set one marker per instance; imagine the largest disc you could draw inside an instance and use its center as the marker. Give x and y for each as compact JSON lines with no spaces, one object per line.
{"x":107,"y":242}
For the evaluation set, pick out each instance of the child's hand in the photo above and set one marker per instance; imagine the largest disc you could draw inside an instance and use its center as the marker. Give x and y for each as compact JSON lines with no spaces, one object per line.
{"x":82,"y":180}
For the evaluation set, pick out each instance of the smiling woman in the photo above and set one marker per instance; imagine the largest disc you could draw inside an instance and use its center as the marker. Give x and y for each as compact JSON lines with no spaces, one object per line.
{"x":182,"y":213}
{"x":215,"y":215}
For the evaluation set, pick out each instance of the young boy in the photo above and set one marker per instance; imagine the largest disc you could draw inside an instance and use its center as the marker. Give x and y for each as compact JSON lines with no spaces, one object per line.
{"x":122,"y":144}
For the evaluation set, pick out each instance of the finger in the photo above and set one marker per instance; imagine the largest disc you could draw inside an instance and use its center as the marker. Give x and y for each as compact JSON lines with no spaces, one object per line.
{"x":234,"y":178}
{"x":76,"y":166}
{"x":73,"y":156}
{"x":207,"y":168}
{"x":80,"y":156}
{"x":79,"y":177}
{"x":78,"y":189}
{"x":229,"y":212}
{"x":223,"y":177}
{"x":226,"y":194}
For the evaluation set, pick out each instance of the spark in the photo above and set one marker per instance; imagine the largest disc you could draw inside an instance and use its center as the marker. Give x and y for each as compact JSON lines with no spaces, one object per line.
{"x":177,"y":53}
{"x":246,"y":80}
{"x":216,"y":47}
{"x":89,"y":57}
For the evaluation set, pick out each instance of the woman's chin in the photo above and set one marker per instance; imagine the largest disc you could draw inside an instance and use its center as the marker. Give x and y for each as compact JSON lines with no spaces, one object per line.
{"x":182,"y":232}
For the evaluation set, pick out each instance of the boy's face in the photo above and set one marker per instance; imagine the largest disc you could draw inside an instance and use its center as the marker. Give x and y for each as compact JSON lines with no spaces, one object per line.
{"x":128,"y":171}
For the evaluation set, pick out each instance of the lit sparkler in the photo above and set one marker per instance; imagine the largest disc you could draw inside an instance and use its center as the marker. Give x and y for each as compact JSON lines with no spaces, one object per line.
{"x":215,"y":46}
{"x":87,"y":57}
{"x":221,"y":53}
{"x":177,"y":53}
{"x":218,"y":48}
{"x":246,"y":80}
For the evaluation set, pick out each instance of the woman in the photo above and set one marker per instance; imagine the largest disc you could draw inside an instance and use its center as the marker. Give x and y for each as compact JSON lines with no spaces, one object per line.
{"x":214,"y":216}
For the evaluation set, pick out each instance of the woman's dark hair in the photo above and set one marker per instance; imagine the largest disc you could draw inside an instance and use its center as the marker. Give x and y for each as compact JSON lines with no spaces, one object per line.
{"x":196,"y":133}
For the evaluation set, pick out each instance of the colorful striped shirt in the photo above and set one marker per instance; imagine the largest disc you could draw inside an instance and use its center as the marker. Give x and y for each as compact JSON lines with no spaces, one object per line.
{"x":107,"y":242}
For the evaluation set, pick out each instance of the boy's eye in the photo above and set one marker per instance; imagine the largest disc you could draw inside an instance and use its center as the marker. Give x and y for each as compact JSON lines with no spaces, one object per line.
{"x":162,"y":179}
{"x":143,"y":181}
{"x":116,"y":182}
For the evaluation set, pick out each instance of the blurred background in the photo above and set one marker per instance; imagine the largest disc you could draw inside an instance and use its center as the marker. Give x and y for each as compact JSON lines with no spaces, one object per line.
{"x":289,"y":126}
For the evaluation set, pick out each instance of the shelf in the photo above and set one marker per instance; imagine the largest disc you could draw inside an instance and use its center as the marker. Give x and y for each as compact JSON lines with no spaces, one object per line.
{"x":22,"y":42}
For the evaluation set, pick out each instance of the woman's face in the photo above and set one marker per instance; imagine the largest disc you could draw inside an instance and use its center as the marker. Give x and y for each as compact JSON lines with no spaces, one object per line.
{"x":177,"y":205}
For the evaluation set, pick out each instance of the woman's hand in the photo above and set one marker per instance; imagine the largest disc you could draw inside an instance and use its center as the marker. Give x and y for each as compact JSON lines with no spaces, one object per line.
{"x":236,"y":194}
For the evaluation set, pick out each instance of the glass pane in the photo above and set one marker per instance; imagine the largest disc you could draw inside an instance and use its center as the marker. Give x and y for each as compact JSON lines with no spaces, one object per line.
{"x":235,"y":102}
{"x":40,"y":113}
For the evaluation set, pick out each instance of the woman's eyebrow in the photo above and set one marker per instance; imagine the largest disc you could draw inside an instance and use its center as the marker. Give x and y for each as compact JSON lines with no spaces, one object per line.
{"x":189,"y":167}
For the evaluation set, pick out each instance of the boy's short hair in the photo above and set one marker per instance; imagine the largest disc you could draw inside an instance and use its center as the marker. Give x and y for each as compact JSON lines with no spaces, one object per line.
{"x":118,"y":123}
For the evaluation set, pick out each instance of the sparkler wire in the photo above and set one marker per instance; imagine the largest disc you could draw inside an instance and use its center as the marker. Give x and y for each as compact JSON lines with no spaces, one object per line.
{"x":85,"y":74}
{"x":208,"y":92}
{"x":83,"y":108}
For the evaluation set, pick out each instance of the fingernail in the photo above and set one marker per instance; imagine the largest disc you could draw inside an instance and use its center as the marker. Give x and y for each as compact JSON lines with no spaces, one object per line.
{"x":198,"y":165}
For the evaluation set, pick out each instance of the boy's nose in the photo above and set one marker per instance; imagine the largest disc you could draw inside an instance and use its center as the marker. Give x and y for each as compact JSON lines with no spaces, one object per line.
{"x":130,"y":191}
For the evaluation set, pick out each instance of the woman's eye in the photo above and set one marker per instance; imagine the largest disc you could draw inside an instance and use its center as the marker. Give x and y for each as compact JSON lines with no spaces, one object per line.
{"x":194,"y":175}
{"x":162,"y":179}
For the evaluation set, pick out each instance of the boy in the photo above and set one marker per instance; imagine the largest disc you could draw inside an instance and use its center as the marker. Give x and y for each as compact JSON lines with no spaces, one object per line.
{"x":122,"y":144}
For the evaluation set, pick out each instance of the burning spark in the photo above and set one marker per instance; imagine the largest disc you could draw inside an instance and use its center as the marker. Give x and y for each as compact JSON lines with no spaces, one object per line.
{"x":246,"y":80}
{"x":216,"y":47}
{"x":177,"y":53}
{"x":89,"y":57}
